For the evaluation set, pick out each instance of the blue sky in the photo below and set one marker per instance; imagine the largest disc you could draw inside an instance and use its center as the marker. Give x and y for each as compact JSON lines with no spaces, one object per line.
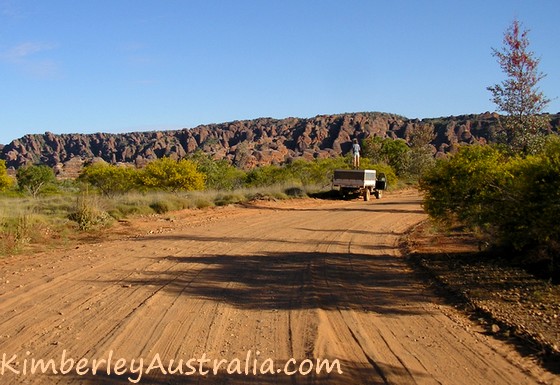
{"x":129,"y":65}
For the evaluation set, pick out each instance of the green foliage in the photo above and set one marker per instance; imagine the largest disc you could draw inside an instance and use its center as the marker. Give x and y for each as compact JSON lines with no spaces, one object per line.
{"x":514,"y":200}
{"x":397,"y":155}
{"x":394,"y":152}
{"x":421,"y":157}
{"x":88,"y":214}
{"x":220,"y":175}
{"x":110,"y":179}
{"x":383,"y":168}
{"x":229,"y":198}
{"x":308,"y":172}
{"x":523,"y":134}
{"x":171,"y":175}
{"x":372,"y":148}
{"x":161,"y":207}
{"x":35,"y":179}
{"x":5,"y":180}
{"x":461,"y":186}
{"x":530,"y":202}
{"x":267,"y":176}
{"x":317,"y":172}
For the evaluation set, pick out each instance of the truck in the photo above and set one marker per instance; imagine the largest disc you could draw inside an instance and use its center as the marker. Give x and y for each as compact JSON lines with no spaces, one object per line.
{"x":362,"y":182}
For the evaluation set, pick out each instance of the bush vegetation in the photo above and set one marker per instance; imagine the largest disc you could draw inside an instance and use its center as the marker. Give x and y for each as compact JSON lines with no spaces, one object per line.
{"x":5,"y":180}
{"x":110,"y":179}
{"x":171,"y":175}
{"x":510,"y":192}
{"x":408,"y":161}
{"x":511,"y":200}
{"x":35,"y":179}
{"x":39,"y":204}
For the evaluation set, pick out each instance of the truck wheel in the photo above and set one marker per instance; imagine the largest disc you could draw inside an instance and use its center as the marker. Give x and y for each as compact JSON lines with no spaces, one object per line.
{"x":367,"y":194}
{"x":378,"y":194}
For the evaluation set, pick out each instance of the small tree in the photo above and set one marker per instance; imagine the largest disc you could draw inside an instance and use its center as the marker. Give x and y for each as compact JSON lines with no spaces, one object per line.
{"x":518,"y":96}
{"x":171,"y":175}
{"x":372,"y":149}
{"x":5,"y":180}
{"x":394,"y":152}
{"x":220,"y":175}
{"x":242,"y":156}
{"x":34,"y":179}
{"x":110,"y":179}
{"x":421,"y":150}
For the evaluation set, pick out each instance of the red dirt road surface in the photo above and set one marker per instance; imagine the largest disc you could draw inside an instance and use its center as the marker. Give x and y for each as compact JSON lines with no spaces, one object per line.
{"x":241,"y":295}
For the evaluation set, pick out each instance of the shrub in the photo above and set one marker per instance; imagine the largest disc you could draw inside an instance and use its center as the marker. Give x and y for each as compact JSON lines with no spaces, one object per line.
{"x":295,"y":192}
{"x":88,"y":214}
{"x":110,"y":179}
{"x":5,"y":180}
{"x":228,"y":199}
{"x":531,"y":200}
{"x":394,"y":152}
{"x":316,"y":172}
{"x":161,"y":207}
{"x":513,"y":200}
{"x":462,"y":186}
{"x":201,"y":203}
{"x":171,"y":175}
{"x":33,"y":179}
{"x":219,"y":174}
{"x":267,"y":176}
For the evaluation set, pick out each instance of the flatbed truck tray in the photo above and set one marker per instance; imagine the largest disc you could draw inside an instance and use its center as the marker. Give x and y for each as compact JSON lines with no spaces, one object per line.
{"x":364,"y":182}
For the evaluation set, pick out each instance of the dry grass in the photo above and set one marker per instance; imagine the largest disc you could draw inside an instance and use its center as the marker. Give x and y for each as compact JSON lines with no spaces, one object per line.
{"x":47,"y":221}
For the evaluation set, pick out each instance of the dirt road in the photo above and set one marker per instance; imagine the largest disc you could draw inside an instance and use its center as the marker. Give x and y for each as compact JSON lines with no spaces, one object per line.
{"x":278,"y":284}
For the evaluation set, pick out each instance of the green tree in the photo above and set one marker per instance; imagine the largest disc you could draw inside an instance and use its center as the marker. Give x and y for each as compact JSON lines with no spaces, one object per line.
{"x":308,"y":173}
{"x":528,"y":208}
{"x":372,"y":149}
{"x":512,"y":200}
{"x":110,"y":179}
{"x":267,"y":176}
{"x":466,"y":186}
{"x":421,"y":150}
{"x":382,"y":168}
{"x":5,"y":180}
{"x":171,"y":175}
{"x":397,"y":153}
{"x":519,"y":96}
{"x":34,"y":179}
{"x":219,"y":174}
{"x":394,"y":152}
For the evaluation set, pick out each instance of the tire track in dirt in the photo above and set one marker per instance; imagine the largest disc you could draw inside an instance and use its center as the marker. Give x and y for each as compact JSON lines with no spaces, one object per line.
{"x":300,"y":279}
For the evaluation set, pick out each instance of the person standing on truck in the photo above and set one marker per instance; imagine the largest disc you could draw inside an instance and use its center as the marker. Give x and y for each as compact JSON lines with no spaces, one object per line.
{"x":355,"y":153}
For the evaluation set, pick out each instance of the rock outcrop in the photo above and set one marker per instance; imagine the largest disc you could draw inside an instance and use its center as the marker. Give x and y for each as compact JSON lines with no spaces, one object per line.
{"x":248,"y":143}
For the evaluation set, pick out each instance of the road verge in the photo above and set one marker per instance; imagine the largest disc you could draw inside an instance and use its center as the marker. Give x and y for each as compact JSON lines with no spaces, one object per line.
{"x":505,"y":301}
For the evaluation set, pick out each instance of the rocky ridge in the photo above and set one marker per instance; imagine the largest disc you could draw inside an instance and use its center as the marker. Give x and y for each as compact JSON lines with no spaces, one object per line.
{"x":246,"y":143}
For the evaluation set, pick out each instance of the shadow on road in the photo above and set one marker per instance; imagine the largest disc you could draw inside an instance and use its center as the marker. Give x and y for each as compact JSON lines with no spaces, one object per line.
{"x":375,"y":206}
{"x":292,"y":280}
{"x":229,"y":241}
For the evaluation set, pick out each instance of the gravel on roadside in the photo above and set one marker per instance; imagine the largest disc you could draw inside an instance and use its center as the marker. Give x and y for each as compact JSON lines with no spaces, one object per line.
{"x":509,"y":302}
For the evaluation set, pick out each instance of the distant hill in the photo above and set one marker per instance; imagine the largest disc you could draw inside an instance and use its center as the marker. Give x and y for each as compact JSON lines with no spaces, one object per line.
{"x":250,"y":142}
